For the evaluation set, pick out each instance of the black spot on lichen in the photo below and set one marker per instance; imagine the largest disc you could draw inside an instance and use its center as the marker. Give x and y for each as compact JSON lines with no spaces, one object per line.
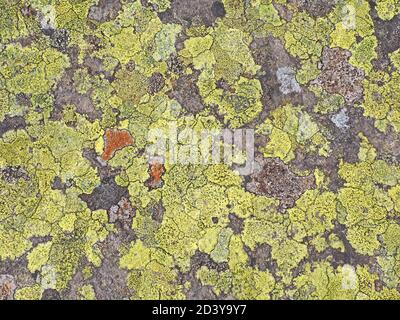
{"x":13,"y":174}
{"x":38,"y":239}
{"x":106,"y":195}
{"x":59,"y":39}
{"x":175,"y":65}
{"x":59,"y":185}
{"x":23,"y":99}
{"x":11,"y":123}
{"x":51,"y":294}
{"x":157,"y":211}
{"x":218,"y":9}
{"x":156,"y":83}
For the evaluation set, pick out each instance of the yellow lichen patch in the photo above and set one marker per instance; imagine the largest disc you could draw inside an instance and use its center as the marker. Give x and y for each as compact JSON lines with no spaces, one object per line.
{"x":39,"y":256}
{"x":288,"y":128}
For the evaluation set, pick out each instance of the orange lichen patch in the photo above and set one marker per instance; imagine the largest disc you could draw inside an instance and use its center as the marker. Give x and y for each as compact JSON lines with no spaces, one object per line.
{"x":114,"y":140}
{"x":156,"y":171}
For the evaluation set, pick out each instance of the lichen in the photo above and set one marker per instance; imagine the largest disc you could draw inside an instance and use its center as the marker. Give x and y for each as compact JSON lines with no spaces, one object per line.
{"x":88,"y":87}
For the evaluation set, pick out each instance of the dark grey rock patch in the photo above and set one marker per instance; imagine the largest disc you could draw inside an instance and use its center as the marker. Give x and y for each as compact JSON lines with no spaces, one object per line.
{"x":11,"y":123}
{"x":106,"y":195}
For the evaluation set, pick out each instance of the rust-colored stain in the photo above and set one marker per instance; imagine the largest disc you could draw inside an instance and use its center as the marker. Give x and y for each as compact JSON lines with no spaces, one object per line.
{"x":157,"y":169}
{"x":115,"y":140}
{"x":5,"y":291}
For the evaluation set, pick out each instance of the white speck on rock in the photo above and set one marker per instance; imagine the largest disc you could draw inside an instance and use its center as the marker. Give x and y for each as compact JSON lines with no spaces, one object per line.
{"x":340,"y":119}
{"x":349,"y":277}
{"x":287,"y":78}
{"x":48,"y":19}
